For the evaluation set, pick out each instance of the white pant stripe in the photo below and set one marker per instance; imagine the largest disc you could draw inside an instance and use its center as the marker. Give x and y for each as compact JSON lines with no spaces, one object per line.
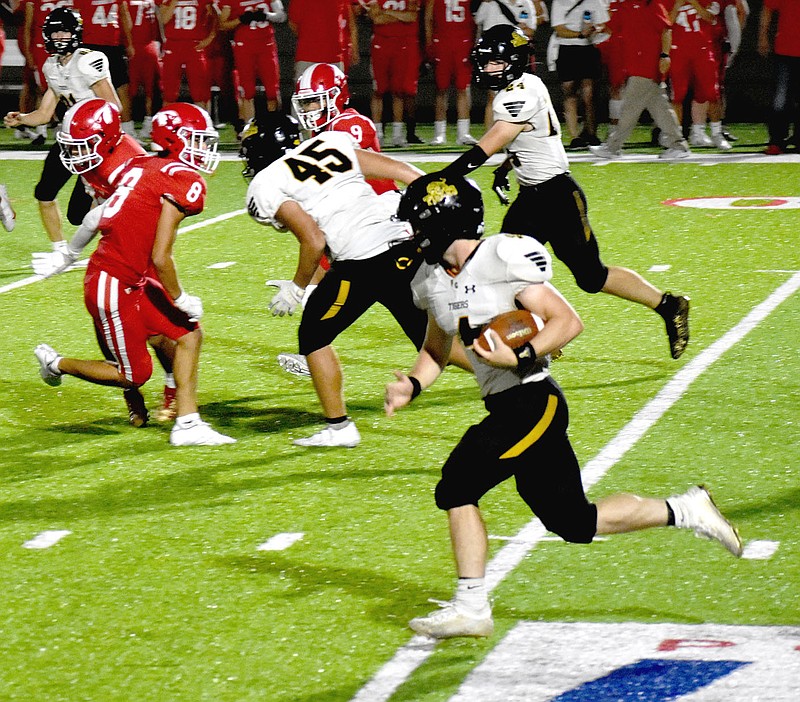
{"x":108,"y":310}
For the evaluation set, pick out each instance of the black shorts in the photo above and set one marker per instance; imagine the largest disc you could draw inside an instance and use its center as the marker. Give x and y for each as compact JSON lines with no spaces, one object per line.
{"x":117,"y":62}
{"x":578,"y":63}
{"x":556,"y":212}
{"x":53,"y":178}
{"x":350,"y":288}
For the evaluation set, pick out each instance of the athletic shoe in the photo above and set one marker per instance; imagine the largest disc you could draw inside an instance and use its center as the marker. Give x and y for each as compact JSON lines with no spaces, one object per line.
{"x":21,"y":133}
{"x":399,"y":142}
{"x":7,"y":215}
{"x":347,"y":437}
{"x":676,"y":318}
{"x":591,"y":139}
{"x":138,"y":415}
{"x":700,"y":139}
{"x":602,"y":151}
{"x":198,"y":433}
{"x":721,"y":142}
{"x":451,"y":620}
{"x":168,"y":410}
{"x":466,"y":140}
{"x":438,"y":140}
{"x":48,"y":359}
{"x":729,"y":136}
{"x":695,"y":509}
{"x":577,"y":143}
{"x":674,"y":154}
{"x":38,"y":140}
{"x":414,"y":139}
{"x":294,"y":363}
{"x":774,"y":150}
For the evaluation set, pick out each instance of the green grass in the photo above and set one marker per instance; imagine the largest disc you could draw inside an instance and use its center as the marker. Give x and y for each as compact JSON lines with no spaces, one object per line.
{"x":160,"y":592}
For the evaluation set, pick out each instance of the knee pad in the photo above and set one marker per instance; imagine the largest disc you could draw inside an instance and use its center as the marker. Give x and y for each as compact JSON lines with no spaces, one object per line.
{"x":574,"y":526}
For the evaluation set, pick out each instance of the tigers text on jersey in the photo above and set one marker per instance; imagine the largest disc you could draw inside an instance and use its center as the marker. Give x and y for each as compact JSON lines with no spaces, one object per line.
{"x":73,"y":81}
{"x":500,"y":268}
{"x":323,"y":176}
{"x":131,"y":214}
{"x":539,"y":153}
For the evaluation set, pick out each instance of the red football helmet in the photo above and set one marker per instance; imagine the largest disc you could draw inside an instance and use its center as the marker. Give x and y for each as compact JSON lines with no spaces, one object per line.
{"x":320,"y":95}
{"x":89,"y":131}
{"x":185,"y":131}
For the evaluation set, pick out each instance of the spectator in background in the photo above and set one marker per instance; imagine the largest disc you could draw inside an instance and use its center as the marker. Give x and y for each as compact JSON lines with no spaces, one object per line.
{"x":255,"y":54}
{"x":576,"y":24}
{"x":107,"y":29}
{"x":449,"y":35}
{"x":325,"y":31}
{"x":395,"y":66}
{"x":611,"y":56}
{"x":786,"y":58}
{"x":144,"y":64}
{"x":647,"y":28}
{"x":189,"y":28}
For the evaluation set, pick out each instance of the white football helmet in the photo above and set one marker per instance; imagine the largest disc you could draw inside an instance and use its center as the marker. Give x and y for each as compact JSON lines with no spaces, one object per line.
{"x":320,"y":95}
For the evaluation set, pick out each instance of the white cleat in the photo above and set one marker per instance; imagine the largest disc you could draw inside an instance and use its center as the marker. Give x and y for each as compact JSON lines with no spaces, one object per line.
{"x":700,"y":139}
{"x":438,"y":140}
{"x":696,"y":510}
{"x":674,"y":154}
{"x":8,"y":217}
{"x":198,"y":433}
{"x":721,"y":142}
{"x":452,"y":620}
{"x":602,"y":151}
{"x":294,"y":363}
{"x":347,"y":437}
{"x":466,"y":140}
{"x":48,"y":359}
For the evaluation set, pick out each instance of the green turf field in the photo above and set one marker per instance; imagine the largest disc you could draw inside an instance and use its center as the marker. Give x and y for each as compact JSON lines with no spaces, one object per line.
{"x":160,"y":592}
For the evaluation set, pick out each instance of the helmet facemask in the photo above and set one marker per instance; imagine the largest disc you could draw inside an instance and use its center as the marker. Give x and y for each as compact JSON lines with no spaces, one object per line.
{"x":200,"y":150}
{"x":322,"y":113}
{"x":79,"y":155}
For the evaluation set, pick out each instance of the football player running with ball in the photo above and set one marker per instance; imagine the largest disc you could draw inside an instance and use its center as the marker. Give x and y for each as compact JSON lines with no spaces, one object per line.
{"x":550,"y":207}
{"x":467,"y":283}
{"x":131,"y":288}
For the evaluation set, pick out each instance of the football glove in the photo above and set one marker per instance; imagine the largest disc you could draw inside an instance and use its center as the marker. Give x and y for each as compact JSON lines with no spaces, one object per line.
{"x":501,"y":184}
{"x":50,"y":263}
{"x":287,"y":298}
{"x":191,"y":305}
{"x":247,"y":17}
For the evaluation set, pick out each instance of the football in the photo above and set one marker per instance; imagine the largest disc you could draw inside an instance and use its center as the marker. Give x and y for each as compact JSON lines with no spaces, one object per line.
{"x":514,"y":328}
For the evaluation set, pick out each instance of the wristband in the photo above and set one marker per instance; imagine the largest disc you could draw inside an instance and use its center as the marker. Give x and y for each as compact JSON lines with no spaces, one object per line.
{"x":526,"y":358}
{"x":467,"y":162}
{"x":417,"y":386}
{"x":664,"y":55}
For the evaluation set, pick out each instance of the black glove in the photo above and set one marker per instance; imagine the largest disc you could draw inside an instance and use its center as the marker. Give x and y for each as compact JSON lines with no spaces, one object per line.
{"x":501,"y":184}
{"x":246,"y":17}
{"x":259,"y":16}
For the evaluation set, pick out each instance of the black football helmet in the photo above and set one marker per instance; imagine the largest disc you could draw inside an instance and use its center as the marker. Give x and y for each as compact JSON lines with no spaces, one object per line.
{"x":62,"y":19}
{"x":441,"y":209}
{"x":265,"y":139}
{"x":500,"y":43}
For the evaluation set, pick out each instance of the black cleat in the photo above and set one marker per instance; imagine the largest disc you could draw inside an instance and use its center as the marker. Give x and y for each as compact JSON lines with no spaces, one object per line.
{"x":138,"y":415}
{"x":675,"y":312}
{"x":414,"y":139}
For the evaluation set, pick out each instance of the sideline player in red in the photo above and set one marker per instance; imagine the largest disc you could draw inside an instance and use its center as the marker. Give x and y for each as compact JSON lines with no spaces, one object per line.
{"x":144,"y":64}
{"x":189,"y":27}
{"x":326,"y":33}
{"x":139,"y":224}
{"x":449,"y":36}
{"x":255,"y":53}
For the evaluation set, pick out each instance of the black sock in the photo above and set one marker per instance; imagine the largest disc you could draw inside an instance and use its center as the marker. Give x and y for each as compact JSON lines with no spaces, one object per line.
{"x":337,"y":422}
{"x":670,"y":515}
{"x":666,"y":307}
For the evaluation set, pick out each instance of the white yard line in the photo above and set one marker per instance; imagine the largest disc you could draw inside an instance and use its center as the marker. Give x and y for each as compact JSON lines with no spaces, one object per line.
{"x":414,"y":654}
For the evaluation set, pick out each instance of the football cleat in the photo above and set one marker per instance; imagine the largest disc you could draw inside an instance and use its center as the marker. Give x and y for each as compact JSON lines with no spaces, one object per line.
{"x":347,"y":437}
{"x":451,"y":620}
{"x":695,"y":509}
{"x":721,"y":142}
{"x":48,"y":364}
{"x":676,"y":318}
{"x":198,"y":433}
{"x":414,"y":139}
{"x":602,"y":151}
{"x":672,"y":154}
{"x":7,"y":215}
{"x":138,"y":415}
{"x":700,"y":139}
{"x":294,"y":363}
{"x":168,"y":410}
{"x":438,"y":140}
{"x":466,"y":140}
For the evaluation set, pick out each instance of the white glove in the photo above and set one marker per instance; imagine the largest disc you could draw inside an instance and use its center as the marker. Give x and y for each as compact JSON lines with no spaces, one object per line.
{"x":287,"y":298}
{"x":193,"y":306}
{"x":49,"y":263}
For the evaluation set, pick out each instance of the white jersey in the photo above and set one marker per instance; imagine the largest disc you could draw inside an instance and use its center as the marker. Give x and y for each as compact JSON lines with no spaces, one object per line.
{"x":500,"y":268}
{"x":538,"y":154}
{"x":73,"y":81}
{"x":323,"y":176}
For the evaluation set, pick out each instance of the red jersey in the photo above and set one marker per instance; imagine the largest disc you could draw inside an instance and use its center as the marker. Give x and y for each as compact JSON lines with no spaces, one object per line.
{"x":40,"y":12}
{"x":362,"y":129}
{"x":100,"y":21}
{"x":787,"y":40}
{"x":321,"y":29}
{"x":254,"y":32}
{"x":103,"y":178}
{"x":191,"y":20}
{"x":131,"y":214}
{"x":394,"y":30}
{"x":690,"y":29}
{"x":642,"y":24}
{"x":145,"y":24}
{"x":452,"y":21}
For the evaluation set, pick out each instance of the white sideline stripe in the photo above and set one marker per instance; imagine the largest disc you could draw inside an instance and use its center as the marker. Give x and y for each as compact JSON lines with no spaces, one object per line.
{"x":659,"y":268}
{"x":411,"y":656}
{"x":279,"y":542}
{"x":760,"y":550}
{"x":82,"y":264}
{"x":221,"y":264}
{"x":46,"y":539}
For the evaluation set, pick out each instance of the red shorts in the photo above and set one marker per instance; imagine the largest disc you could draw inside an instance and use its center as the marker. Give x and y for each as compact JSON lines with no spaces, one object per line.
{"x":180,"y":56}
{"x":694,"y":68}
{"x":451,"y":64}
{"x":144,"y":70}
{"x":39,"y":57}
{"x":256,"y":62}
{"x":395,"y":66}
{"x":125,"y":318}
